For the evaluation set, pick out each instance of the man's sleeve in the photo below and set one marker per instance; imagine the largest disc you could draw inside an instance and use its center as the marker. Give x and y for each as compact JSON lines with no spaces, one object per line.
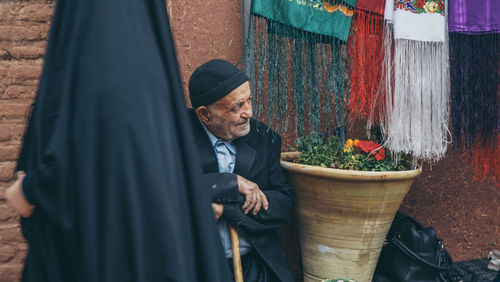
{"x":223,"y":187}
{"x":279,"y":194}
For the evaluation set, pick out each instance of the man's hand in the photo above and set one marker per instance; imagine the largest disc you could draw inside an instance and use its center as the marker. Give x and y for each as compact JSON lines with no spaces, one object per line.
{"x":218,"y":210}
{"x":254,"y":197}
{"x":16,"y":199}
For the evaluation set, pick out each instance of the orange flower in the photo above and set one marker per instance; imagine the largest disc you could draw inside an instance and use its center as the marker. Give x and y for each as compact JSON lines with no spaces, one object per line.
{"x":349,"y":143}
{"x":355,"y":143}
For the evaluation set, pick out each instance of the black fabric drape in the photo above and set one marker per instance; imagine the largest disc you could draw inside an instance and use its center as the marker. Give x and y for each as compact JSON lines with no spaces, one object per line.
{"x":109,"y":154}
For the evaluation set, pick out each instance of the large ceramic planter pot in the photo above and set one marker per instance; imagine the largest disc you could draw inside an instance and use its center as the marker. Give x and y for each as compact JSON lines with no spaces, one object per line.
{"x":343,"y":217}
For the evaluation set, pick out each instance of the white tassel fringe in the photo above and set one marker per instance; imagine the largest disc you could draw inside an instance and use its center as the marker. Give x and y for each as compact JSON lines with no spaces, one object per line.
{"x":418,"y":111}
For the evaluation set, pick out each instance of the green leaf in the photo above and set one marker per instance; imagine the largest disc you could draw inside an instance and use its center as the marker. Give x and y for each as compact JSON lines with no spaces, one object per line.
{"x":318,"y":150}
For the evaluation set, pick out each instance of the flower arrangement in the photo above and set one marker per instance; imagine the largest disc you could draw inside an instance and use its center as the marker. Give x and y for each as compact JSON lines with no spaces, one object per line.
{"x":363,"y":155}
{"x":421,"y":6}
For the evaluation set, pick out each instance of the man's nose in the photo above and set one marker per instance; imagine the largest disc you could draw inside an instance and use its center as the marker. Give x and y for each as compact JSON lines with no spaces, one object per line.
{"x":247,"y":110}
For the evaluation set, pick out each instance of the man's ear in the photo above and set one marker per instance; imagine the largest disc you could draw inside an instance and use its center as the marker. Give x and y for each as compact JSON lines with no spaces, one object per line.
{"x":204,"y":114}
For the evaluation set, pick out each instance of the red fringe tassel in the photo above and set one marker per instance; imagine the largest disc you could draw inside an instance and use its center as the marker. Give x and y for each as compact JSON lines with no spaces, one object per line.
{"x":366,"y":53}
{"x":485,"y":157}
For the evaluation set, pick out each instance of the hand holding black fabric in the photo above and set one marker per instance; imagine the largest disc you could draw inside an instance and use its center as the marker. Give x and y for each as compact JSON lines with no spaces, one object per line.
{"x":16,"y":199}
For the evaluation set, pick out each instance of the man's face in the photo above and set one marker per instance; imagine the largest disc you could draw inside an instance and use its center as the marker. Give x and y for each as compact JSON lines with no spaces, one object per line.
{"x":229,"y":117}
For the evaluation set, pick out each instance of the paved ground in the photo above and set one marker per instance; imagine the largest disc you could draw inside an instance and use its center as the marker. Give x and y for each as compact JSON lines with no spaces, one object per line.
{"x":477,"y":266}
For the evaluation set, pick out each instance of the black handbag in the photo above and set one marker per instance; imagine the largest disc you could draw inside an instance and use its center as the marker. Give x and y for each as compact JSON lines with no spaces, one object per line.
{"x":414,"y":253}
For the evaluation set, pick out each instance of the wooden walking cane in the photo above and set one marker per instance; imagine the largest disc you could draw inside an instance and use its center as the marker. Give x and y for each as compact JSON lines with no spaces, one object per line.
{"x":235,"y":245}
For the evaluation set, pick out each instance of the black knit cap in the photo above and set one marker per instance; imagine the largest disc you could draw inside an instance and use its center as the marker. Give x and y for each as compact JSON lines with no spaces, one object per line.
{"x":213,"y":80}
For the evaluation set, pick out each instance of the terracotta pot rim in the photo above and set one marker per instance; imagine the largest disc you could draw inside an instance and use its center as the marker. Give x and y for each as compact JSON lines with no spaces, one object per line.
{"x":352,"y":175}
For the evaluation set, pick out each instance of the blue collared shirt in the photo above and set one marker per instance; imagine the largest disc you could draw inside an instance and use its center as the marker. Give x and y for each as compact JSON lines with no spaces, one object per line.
{"x":226,"y":158}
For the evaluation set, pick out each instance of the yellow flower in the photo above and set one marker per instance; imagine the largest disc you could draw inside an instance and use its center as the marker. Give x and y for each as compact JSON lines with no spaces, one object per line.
{"x":347,"y":149}
{"x":431,"y":7}
{"x":355,"y":143}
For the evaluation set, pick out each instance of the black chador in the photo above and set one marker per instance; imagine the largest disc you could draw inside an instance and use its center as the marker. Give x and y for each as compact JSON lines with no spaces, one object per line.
{"x":109,"y":157}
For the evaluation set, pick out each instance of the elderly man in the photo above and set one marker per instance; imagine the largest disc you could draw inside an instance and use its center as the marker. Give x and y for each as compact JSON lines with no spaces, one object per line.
{"x":241,"y":161}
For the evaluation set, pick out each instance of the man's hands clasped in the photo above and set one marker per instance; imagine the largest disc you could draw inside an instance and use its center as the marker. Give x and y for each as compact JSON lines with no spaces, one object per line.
{"x":255,"y":199}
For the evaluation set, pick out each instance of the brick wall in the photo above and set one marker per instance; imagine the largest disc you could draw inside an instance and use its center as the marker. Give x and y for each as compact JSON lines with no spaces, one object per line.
{"x":205,"y":30}
{"x":23,"y":33}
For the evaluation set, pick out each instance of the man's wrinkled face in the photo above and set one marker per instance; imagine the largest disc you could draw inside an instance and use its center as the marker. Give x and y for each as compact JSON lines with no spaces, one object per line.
{"x":229,"y":117}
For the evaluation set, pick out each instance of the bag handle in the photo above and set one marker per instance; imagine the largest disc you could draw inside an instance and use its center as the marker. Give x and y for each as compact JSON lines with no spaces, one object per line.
{"x":416,"y":257}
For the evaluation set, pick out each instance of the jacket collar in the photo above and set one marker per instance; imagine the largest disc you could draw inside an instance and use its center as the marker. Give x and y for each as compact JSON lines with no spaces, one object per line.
{"x":245,"y":154}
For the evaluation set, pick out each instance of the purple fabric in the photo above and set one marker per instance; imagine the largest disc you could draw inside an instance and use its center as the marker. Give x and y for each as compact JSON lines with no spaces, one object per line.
{"x":474,"y":16}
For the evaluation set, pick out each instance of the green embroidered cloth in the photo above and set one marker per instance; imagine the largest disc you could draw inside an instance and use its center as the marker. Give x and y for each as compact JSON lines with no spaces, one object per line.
{"x":316,"y":16}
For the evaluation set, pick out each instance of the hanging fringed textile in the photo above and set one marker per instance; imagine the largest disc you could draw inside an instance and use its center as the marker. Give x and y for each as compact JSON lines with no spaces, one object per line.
{"x":417,"y":112}
{"x":474,"y":65}
{"x":365,"y":51}
{"x":295,"y":55}
{"x":387,"y":80}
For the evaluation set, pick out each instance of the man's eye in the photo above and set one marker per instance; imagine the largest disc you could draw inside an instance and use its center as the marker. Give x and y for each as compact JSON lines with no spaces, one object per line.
{"x":235,"y":109}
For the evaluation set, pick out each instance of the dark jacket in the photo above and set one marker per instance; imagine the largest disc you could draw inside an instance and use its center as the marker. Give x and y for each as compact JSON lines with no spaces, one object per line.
{"x":258,"y":160}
